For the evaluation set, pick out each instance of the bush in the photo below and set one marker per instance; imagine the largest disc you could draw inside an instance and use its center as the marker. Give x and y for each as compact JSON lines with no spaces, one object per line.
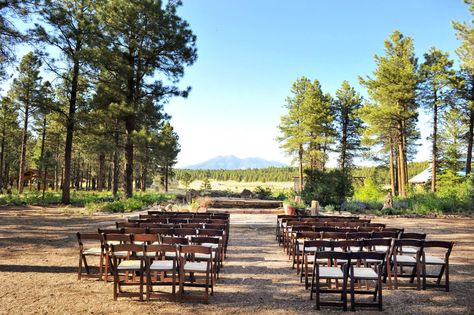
{"x":263,"y":192}
{"x":369,"y":192}
{"x":331,"y":187}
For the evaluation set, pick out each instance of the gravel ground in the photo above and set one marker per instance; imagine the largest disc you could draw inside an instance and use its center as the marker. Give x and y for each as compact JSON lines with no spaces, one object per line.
{"x":38,"y":264}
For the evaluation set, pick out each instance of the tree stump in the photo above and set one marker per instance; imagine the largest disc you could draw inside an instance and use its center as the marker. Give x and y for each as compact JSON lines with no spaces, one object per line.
{"x":388,"y":201}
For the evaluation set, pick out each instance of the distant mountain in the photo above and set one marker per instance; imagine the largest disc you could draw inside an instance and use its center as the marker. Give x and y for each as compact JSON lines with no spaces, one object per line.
{"x":231,"y":162}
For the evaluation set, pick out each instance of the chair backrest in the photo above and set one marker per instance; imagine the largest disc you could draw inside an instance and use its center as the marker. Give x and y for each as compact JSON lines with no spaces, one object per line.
{"x":333,"y":235}
{"x":198,"y":240}
{"x":158,"y":220}
{"x":192,"y":225}
{"x":161,"y":231}
{"x":300,"y":228}
{"x":415,"y":236}
{"x":119,"y":225}
{"x":331,"y":255}
{"x":368,"y":229}
{"x":325,"y":229}
{"x":209,"y":232}
{"x":178,"y":220}
{"x":174,"y":240}
{"x":185,"y":231}
{"x":317,"y":244}
{"x":122,"y":238}
{"x":448,"y":246}
{"x":309,"y":235}
{"x":81,"y":237}
{"x":348,"y":245}
{"x":385,"y":234}
{"x":111,"y":231}
{"x":215,"y":226}
{"x":147,"y":238}
{"x":358,"y":235}
{"x":376,"y":225}
{"x":136,"y":230}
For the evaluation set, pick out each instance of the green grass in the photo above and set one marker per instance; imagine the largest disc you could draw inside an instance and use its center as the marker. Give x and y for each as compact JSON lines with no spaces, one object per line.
{"x":93,"y":201}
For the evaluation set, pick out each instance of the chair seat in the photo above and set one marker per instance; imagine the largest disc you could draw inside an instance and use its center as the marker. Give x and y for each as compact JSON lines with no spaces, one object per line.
{"x":172,"y":254}
{"x":129,"y":265}
{"x":320,"y":260}
{"x":96,"y":251}
{"x":381,"y":248}
{"x":211,"y":245}
{"x":204,"y":256}
{"x":434,"y":260}
{"x":372,"y":261}
{"x":409,"y":250}
{"x":149,"y":254}
{"x":195,"y":266}
{"x":365,"y":273}
{"x":162,"y":265}
{"x":120,"y":254}
{"x":330,"y":272}
{"x":406,"y":259}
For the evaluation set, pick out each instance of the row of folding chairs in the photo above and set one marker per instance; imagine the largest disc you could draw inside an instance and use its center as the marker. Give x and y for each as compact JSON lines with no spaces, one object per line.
{"x":160,"y":265}
{"x":187,"y":214}
{"x":299,"y":237}
{"x":372,"y":260}
{"x":289,"y":231}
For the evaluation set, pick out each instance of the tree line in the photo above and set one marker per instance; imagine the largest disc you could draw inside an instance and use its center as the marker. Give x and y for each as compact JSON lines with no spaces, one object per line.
{"x":378,"y":174}
{"x":98,"y":121}
{"x":384,"y":127}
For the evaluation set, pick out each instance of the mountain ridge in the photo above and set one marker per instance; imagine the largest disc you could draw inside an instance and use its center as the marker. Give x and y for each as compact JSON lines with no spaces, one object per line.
{"x":232,"y":162}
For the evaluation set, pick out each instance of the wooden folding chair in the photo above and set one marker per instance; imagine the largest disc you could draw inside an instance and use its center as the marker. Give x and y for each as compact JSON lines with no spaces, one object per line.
{"x":300,"y":237}
{"x":216,"y":244}
{"x":114,"y":239}
{"x":161,"y":269}
{"x":189,"y":265}
{"x":308,"y":250}
{"x":125,"y":269}
{"x":329,"y":273}
{"x":86,"y":249}
{"x":384,"y":246}
{"x":436,"y":260}
{"x":360,"y":271}
{"x":400,"y":258}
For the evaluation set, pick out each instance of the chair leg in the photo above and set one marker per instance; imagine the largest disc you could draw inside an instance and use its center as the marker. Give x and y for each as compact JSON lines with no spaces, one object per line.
{"x":352,"y":290}
{"x":446,"y":276}
{"x":116,"y":284}
{"x":141,"y":284}
{"x":79,"y":270}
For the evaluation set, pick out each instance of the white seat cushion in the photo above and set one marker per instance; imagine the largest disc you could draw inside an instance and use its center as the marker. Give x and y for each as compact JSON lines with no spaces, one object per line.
{"x":120,"y":254}
{"x":354,"y":249}
{"x":211,"y":245}
{"x":97,"y":251}
{"x":364,"y":273}
{"x":162,"y":265}
{"x":330,"y":272}
{"x":149,"y":254}
{"x":406,"y":259}
{"x":129,"y":264}
{"x":372,"y":261}
{"x":195,"y":266}
{"x":381,"y":248}
{"x":409,"y":250}
{"x":204,"y":256}
{"x":320,"y":260}
{"x":433,"y":260}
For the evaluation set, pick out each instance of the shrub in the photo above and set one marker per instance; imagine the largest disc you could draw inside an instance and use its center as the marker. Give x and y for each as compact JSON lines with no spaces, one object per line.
{"x":331,"y":187}
{"x":263,"y":192}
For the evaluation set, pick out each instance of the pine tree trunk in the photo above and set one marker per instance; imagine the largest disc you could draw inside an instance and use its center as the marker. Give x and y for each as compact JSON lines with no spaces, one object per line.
{"x":101,"y":177}
{"x":43,"y":137}
{"x":116,"y":166}
{"x":109,"y":175}
{"x":66,"y":195}
{"x":402,"y":178}
{"x":144,"y":176}
{"x":166,"y":177}
{"x":24,"y":139}
{"x":470,"y":137}
{"x":343,"y":162}
{"x":128,"y":185}
{"x":392,"y":171}
{"x":2,"y":155}
{"x":300,"y":157}
{"x":434,"y":160}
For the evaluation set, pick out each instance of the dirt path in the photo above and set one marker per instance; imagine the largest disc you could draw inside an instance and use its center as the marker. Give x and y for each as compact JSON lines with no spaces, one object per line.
{"x":38,"y":261}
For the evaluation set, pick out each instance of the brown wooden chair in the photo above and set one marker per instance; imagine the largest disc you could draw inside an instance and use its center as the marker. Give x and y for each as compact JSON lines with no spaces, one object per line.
{"x":220,"y":234}
{"x":90,"y":244}
{"x":189,"y":265}
{"x":135,"y":230}
{"x":384,"y":246}
{"x":114,"y":239}
{"x":119,"y":225}
{"x":308,"y":250}
{"x":360,"y":271}
{"x":126,"y":268}
{"x":300,"y":237}
{"x":436,"y":260}
{"x":182,"y":232}
{"x":161,"y":269}
{"x":216,"y":244}
{"x":326,"y":273}
{"x":358,"y":235}
{"x":146,"y":239}
{"x":400,"y":258}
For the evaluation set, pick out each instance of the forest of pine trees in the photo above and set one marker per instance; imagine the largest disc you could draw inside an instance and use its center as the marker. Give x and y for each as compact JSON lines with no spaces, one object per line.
{"x":84,"y":108}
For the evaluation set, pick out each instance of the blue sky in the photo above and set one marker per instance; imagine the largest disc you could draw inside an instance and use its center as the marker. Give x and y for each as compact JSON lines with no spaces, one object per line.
{"x":250,"y":52}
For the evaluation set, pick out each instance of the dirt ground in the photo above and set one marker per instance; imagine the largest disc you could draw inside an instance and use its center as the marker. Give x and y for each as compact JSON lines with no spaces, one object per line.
{"x":39,"y":257}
